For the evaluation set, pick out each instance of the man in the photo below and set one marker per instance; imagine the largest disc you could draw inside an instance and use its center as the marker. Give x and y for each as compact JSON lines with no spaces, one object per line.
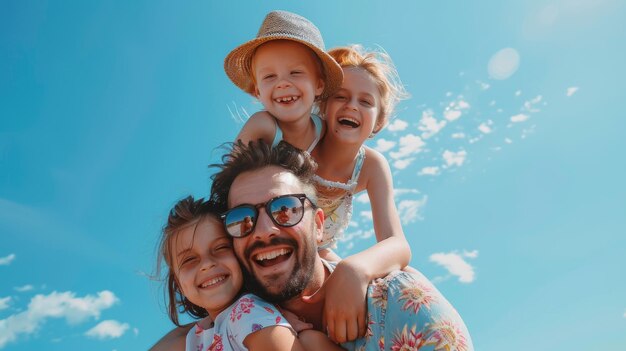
{"x":281,"y":263}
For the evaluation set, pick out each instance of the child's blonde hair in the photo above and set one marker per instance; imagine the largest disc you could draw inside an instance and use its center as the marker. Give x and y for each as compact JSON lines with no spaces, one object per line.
{"x":185,"y":213}
{"x":379,"y":65}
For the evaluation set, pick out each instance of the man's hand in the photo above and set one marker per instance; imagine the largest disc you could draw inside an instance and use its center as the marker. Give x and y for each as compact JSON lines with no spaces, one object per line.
{"x":345,"y":310}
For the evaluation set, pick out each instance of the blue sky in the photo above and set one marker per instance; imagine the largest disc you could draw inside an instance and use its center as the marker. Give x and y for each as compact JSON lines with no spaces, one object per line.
{"x":507,"y":159}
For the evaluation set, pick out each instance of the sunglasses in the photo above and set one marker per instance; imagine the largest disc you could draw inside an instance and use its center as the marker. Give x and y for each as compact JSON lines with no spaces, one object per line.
{"x":285,"y":211}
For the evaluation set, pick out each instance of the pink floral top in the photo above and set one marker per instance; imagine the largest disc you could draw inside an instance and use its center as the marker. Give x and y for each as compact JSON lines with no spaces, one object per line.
{"x":245,"y":316}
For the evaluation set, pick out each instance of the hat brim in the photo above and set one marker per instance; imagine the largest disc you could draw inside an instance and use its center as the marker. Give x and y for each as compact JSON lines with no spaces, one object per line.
{"x":238,"y":63}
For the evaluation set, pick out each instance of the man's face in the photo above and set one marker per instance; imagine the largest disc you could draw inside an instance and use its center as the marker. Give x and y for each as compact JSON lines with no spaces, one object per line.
{"x":277,"y":262}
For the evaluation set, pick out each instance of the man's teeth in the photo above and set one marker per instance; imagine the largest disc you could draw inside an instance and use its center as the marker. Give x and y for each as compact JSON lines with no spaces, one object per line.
{"x":271,"y":254}
{"x":213,"y":281}
{"x":286,"y":99}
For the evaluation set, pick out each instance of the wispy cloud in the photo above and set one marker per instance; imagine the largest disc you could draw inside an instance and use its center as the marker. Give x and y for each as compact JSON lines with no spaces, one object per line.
{"x":24,"y":288}
{"x":485,"y":127}
{"x":409,"y":144}
{"x":519,"y":118}
{"x":429,"y":171}
{"x":367,"y":215}
{"x":4,"y":302}
{"x":429,"y":125}
{"x":503,"y":64}
{"x":402,"y":164}
{"x":571,"y":91}
{"x":109,"y":329}
{"x":456,"y":265}
{"x":383,"y":145}
{"x":454,"y":158}
{"x":5,"y":261}
{"x":458,"y":135}
{"x":530,"y":105}
{"x":363,"y":198}
{"x":397,"y":125}
{"x":54,"y":305}
{"x":411,"y":210}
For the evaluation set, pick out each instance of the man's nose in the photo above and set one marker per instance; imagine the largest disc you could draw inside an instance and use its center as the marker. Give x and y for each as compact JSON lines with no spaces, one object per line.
{"x":265,"y":228}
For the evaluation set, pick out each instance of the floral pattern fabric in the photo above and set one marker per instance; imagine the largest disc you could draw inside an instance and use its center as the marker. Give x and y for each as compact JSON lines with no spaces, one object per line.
{"x":406,"y":312}
{"x":246,"y":315}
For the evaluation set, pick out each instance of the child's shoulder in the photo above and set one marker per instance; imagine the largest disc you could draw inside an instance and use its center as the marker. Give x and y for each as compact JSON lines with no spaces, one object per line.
{"x":261,"y":125}
{"x":374,"y":157}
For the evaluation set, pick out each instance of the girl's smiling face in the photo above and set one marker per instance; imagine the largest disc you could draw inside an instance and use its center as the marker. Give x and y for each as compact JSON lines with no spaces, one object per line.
{"x":351,"y":113}
{"x":205,"y":265}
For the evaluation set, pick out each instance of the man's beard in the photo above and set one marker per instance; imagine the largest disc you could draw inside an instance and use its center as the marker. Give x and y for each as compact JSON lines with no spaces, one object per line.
{"x":298,"y":279}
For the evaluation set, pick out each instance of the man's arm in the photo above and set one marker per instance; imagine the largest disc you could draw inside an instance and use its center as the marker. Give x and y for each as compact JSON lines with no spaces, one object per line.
{"x":174,"y":340}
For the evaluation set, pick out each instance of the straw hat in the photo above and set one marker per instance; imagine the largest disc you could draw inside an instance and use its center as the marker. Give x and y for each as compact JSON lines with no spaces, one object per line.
{"x":289,"y":26}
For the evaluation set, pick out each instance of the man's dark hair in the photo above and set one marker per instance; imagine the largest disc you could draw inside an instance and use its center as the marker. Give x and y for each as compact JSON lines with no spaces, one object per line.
{"x":256,"y":155}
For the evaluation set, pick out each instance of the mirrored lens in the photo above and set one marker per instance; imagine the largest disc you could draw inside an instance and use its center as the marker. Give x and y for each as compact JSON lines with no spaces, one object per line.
{"x":287,"y":211}
{"x":239,"y":221}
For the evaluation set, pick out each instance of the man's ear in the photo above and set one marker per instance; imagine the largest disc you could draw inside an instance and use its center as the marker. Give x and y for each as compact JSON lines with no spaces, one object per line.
{"x":319,"y":224}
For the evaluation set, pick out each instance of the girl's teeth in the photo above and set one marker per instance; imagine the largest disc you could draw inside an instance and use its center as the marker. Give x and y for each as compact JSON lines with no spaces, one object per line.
{"x":213,"y":281}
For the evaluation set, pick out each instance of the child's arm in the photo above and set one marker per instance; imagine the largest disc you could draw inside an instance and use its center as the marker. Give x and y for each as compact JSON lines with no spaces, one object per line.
{"x":260,"y":125}
{"x":346,"y":288}
{"x":174,"y":340}
{"x":277,"y":338}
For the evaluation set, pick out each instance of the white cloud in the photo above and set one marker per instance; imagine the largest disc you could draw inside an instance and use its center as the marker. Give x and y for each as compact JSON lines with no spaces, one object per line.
{"x":624,"y":314}
{"x":383,"y":145}
{"x":429,"y":125}
{"x":4,"y":302}
{"x":397,"y":125}
{"x":55,"y":305}
{"x":456,"y":265}
{"x":529,"y":105}
{"x":404,"y":163}
{"x":518,"y":93}
{"x":5,"y":261}
{"x":461,"y":105}
{"x":451,"y":115}
{"x":503,"y":64}
{"x":454,"y":158}
{"x":484,"y":128}
{"x":470,"y":254}
{"x":483,"y":85}
{"x":411,"y":210}
{"x":571,"y":91}
{"x":458,"y":135}
{"x":519,"y":118}
{"x":109,"y":329}
{"x":429,"y":171}
{"x":24,"y":288}
{"x":508,"y":141}
{"x":367,"y":215}
{"x":363,"y":198}
{"x":409,"y":144}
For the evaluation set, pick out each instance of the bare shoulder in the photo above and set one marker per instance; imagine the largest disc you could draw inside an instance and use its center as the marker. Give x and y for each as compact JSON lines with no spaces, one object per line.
{"x":260,"y":125}
{"x":271,"y":339}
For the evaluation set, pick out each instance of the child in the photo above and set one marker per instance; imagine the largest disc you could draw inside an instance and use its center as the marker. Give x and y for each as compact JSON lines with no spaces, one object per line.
{"x":287,"y":69}
{"x":204,"y":279}
{"x":357,"y":111}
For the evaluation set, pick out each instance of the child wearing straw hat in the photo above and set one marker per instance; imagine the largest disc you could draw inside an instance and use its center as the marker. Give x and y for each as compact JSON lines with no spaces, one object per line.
{"x":287,"y":69}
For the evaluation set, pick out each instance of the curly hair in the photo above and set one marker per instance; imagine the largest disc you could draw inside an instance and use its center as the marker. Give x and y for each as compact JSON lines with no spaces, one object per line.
{"x":256,"y":155}
{"x":185,"y":213}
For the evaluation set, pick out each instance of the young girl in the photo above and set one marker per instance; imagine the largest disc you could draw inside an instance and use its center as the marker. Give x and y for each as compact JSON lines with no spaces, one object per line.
{"x":287,"y":69}
{"x":204,"y":280}
{"x":356,"y":112}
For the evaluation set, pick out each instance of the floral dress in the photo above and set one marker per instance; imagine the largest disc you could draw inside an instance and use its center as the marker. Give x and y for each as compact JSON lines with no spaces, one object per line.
{"x":406,"y":312}
{"x":246,"y":315}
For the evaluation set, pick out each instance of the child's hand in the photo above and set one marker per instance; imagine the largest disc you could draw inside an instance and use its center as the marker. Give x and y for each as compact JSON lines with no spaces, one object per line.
{"x":345,"y":310}
{"x":296,"y":323}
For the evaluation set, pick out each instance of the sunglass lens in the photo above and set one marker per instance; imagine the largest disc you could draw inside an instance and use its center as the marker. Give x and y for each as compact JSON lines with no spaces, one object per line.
{"x":240,"y":221}
{"x":287,"y":211}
